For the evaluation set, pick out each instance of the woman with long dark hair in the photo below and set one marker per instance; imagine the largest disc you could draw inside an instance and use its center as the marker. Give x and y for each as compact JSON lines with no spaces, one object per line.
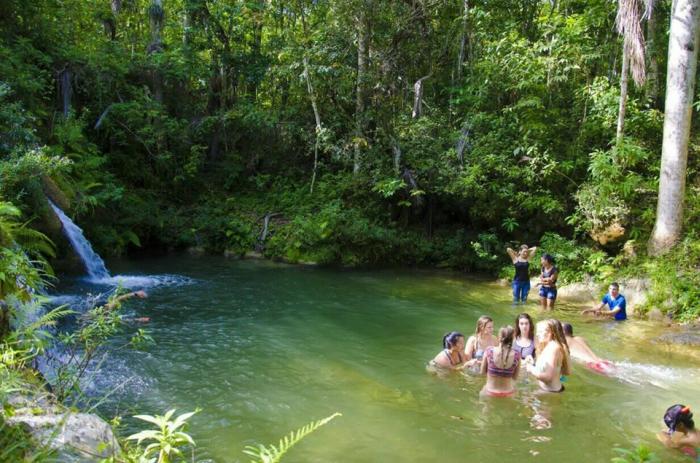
{"x":501,"y":365}
{"x":524,"y":342}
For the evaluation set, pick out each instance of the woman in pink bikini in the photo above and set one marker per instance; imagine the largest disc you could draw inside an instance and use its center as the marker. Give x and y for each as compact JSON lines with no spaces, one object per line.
{"x":501,"y":365}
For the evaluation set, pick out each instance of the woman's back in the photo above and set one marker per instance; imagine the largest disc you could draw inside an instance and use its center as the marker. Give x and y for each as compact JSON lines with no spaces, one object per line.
{"x":501,"y":368}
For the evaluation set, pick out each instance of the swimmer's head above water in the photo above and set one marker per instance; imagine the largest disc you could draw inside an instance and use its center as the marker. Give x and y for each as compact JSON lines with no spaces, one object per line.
{"x":505,"y":336}
{"x":452,"y":339}
{"x":568,"y":329}
{"x":679,"y":417}
{"x":524,"y":327}
{"x":482,"y":326}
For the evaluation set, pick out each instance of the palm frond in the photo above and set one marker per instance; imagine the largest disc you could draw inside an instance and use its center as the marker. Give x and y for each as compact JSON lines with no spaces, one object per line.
{"x":272,"y":454}
{"x":629,"y":25}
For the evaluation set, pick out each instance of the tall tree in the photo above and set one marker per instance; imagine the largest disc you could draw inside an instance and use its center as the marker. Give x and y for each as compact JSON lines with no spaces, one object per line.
{"x":680,"y":86}
{"x":363,"y":43}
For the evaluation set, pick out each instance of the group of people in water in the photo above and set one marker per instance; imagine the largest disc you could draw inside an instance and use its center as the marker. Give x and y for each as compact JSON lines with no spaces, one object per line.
{"x":544,"y":350}
{"x":540,"y":350}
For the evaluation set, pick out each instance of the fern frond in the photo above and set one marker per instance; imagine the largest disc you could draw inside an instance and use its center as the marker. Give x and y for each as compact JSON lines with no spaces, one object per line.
{"x":273,"y":454}
{"x":49,"y":318}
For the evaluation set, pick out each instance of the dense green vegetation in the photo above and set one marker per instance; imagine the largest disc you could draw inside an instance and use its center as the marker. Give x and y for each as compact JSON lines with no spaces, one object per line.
{"x":170,"y":125}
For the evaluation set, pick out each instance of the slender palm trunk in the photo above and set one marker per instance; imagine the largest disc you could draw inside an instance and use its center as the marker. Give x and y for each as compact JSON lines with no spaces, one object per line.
{"x":680,"y":85}
{"x":624,"y":77}
{"x":360,"y":102}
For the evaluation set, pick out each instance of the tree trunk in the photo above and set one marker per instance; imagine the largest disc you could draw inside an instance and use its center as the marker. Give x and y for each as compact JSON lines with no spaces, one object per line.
{"x":462,"y":144}
{"x":653,"y":73}
{"x":360,"y":103}
{"x":397,"y":157}
{"x":624,"y":75}
{"x":464,"y":39}
{"x":680,"y":86}
{"x":317,"y":117}
{"x":312,"y":97}
{"x":186,"y":28}
{"x":418,"y":98}
{"x":66,"y":90}
{"x":156,"y":18}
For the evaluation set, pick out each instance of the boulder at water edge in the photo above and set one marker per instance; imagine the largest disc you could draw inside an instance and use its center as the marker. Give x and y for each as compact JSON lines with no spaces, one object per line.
{"x":75,"y":437}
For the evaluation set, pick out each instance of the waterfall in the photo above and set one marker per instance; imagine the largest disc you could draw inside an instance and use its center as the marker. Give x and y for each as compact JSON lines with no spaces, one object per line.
{"x":93,"y":262}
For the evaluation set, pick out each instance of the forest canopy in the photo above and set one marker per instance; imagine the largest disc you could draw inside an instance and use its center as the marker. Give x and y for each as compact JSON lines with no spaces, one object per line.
{"x":356,"y":132}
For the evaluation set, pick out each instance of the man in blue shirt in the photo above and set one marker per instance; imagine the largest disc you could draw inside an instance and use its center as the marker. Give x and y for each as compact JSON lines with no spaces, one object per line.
{"x":615,"y":302}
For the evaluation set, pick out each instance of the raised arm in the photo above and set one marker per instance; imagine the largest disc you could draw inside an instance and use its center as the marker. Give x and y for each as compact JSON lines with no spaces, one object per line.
{"x":513,"y":255}
{"x":531,"y":252}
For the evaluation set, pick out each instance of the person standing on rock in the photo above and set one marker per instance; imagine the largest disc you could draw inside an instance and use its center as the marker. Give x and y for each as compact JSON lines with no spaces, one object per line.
{"x":615,"y":302}
{"x":521,"y":281}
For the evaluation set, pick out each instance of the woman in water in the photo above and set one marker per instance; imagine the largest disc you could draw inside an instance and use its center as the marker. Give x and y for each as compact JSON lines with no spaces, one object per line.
{"x":679,"y":418}
{"x":452,"y":356}
{"x":521,"y":280}
{"x":552,"y":356}
{"x":524,"y":337}
{"x":548,"y":282}
{"x":483,"y":338}
{"x":501,"y":365}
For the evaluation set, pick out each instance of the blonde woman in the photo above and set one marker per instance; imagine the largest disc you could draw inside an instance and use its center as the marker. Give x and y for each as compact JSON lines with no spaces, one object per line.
{"x":482,"y":339}
{"x":552,"y":356}
{"x":501,"y":366}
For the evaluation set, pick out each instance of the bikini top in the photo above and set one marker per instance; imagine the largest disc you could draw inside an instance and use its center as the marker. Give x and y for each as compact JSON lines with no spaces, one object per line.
{"x":524,"y":351}
{"x":494,"y":370}
{"x":449,"y":357}
{"x":478,"y":353}
{"x":547,"y":274}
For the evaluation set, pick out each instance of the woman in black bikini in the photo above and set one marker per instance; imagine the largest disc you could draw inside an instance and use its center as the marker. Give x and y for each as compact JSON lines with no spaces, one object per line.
{"x":452,"y":356}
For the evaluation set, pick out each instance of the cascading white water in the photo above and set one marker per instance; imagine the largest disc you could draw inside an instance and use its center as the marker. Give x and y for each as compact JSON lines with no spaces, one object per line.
{"x":93,"y":262}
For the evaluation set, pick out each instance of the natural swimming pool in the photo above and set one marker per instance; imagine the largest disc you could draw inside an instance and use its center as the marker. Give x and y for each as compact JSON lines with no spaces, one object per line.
{"x":264,"y":348}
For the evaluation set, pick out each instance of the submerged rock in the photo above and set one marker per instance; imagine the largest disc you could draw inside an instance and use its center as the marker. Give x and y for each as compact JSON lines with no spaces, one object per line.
{"x":685,"y":338}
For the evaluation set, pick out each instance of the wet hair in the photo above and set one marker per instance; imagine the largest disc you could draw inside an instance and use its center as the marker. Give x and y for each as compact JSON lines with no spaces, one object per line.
{"x":505,"y":339}
{"x":678,"y":414}
{"x":451,"y":339}
{"x":615,"y":285}
{"x":481,"y":324}
{"x":518,"y":334}
{"x":568,"y":329}
{"x":505,"y":336}
{"x":549,"y":258}
{"x":555,"y":328}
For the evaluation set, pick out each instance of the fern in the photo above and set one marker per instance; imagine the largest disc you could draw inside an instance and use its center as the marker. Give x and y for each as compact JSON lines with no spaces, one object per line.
{"x":273,"y":454}
{"x":50,"y":318}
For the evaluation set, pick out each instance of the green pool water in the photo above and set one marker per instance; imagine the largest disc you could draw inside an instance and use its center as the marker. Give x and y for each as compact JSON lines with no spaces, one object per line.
{"x":263,"y":348}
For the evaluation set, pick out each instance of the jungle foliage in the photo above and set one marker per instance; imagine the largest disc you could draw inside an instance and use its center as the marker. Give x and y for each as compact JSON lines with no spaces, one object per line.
{"x":430,"y":132}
